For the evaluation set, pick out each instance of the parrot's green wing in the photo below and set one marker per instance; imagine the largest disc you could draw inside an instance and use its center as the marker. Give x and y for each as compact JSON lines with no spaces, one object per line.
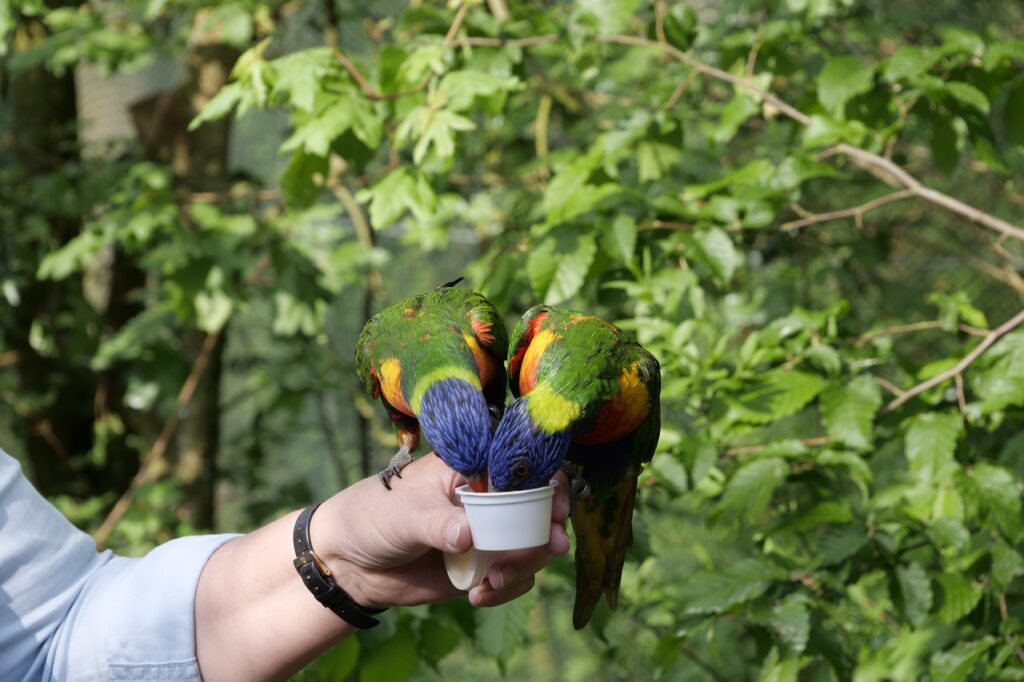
{"x":603,"y":522}
{"x":444,"y":333}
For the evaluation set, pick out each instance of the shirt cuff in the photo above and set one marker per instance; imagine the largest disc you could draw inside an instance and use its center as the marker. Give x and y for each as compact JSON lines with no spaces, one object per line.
{"x":135,"y":619}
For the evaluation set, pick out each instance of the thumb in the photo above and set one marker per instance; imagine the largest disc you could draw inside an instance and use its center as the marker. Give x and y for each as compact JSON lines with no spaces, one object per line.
{"x":446,"y":529}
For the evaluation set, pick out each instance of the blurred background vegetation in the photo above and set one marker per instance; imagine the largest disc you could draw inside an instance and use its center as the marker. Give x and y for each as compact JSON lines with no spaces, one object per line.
{"x":202,"y":202}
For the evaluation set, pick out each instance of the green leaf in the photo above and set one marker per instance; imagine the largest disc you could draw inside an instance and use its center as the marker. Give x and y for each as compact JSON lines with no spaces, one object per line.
{"x":916,"y":590}
{"x":438,"y":131}
{"x":393,"y":661}
{"x":930,"y":443}
{"x":1007,"y":564}
{"x":822,"y":131}
{"x":332,"y":117}
{"x":669,"y":470}
{"x":908,"y":62}
{"x":437,"y":639}
{"x":500,"y":631}
{"x":774,"y":670}
{"x":1005,"y":51}
{"x":849,"y":411}
{"x":842,"y":79}
{"x":570,"y":194}
{"x":621,"y":238}
{"x":959,"y":597}
{"x":792,"y":621}
{"x":399,"y":191}
{"x":945,"y":144}
{"x":956,"y":664}
{"x":751,"y":488}
{"x":719,"y":253}
{"x":654,"y":159}
{"x":213,"y":308}
{"x":462,"y":87}
{"x":70,"y":258}
{"x":717,"y":591}
{"x":558,"y":265}
{"x":301,"y":183}
{"x":219,"y":106}
{"x":300,"y":76}
{"x":969,"y":95}
{"x":777,"y":394}
{"x":734,"y":114}
{"x":1000,"y":494}
{"x":840,"y":542}
{"x":338,"y":662}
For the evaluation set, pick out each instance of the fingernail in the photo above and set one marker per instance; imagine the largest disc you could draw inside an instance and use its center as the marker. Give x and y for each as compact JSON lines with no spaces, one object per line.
{"x":452,"y":532}
{"x":565,"y":508}
{"x":500,"y":578}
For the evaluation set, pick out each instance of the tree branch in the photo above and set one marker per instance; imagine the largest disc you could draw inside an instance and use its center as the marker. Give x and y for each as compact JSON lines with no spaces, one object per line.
{"x":881,"y":167}
{"x":148,"y":468}
{"x":961,"y":366}
{"x":857,"y":212}
{"x":915,"y":327}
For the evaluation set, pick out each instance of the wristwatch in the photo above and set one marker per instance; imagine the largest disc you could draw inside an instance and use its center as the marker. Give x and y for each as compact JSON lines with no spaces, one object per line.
{"x":318,"y":578}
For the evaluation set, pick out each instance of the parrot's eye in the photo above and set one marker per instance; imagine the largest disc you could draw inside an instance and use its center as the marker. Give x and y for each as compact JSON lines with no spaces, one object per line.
{"x":495,"y":411}
{"x":521,"y":469}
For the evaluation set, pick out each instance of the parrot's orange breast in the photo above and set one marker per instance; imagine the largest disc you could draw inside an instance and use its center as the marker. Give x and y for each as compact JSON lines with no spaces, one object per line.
{"x":623,"y":413}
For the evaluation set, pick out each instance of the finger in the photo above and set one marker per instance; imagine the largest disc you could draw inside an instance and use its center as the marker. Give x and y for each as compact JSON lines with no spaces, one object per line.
{"x":516,"y":565}
{"x":560,"y":505}
{"x":484,"y":595}
{"x":444,"y":528}
{"x":558,"y":544}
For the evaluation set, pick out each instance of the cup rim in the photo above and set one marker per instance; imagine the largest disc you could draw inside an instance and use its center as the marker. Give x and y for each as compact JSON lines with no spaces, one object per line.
{"x":464,"y":491}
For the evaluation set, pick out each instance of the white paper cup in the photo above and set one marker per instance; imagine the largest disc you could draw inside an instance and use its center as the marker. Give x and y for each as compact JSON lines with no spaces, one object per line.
{"x":499,"y":522}
{"x":509,"y":520}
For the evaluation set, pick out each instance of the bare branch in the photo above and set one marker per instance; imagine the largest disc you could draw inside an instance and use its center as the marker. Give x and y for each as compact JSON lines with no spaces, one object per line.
{"x":460,"y":16}
{"x":856,"y":212}
{"x":680,"y":89}
{"x":878,"y":165}
{"x":961,"y":399}
{"x":961,"y":366}
{"x":915,"y":327}
{"x":148,"y":466}
{"x":663,"y":225}
{"x":889,"y":386}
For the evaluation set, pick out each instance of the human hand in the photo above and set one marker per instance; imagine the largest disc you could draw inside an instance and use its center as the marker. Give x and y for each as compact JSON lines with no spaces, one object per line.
{"x":384,"y":548}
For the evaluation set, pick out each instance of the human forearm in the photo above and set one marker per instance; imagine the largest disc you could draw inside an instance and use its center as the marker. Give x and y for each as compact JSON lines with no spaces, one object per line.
{"x":255,"y":620}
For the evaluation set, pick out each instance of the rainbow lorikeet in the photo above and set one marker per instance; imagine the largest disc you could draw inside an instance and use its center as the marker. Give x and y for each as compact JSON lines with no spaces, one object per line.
{"x":588,"y":396}
{"x":436,"y":362}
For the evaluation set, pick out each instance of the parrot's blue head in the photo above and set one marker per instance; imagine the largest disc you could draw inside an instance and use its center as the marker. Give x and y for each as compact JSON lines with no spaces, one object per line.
{"x":522,"y":454}
{"x":457,"y":421}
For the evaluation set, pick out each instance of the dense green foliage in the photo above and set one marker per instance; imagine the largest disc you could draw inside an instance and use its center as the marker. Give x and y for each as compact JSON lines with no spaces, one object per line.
{"x":799,"y":521}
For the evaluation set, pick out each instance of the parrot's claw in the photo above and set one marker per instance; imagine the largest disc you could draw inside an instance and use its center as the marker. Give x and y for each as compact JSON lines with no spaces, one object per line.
{"x":578,"y":485}
{"x":401,"y":460}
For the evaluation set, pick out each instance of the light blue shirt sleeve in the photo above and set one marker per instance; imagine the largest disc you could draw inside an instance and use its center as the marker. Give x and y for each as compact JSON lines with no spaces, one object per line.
{"x":68,"y":612}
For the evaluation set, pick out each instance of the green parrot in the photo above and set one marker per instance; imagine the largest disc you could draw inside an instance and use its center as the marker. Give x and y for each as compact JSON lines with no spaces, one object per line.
{"x":587,"y":399}
{"x":436,"y":363}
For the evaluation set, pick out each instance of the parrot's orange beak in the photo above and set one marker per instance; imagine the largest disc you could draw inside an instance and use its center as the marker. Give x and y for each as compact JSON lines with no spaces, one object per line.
{"x":478,"y":484}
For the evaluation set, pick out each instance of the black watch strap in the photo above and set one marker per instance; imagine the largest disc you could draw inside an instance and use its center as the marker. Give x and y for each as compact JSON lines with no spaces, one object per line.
{"x":318,"y":579}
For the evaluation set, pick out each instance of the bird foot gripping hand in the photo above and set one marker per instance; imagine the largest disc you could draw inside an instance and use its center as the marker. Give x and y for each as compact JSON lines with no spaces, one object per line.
{"x":401,"y":460}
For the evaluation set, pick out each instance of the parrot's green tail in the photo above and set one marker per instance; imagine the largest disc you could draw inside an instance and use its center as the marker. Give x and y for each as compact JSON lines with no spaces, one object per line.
{"x":604,"y":530}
